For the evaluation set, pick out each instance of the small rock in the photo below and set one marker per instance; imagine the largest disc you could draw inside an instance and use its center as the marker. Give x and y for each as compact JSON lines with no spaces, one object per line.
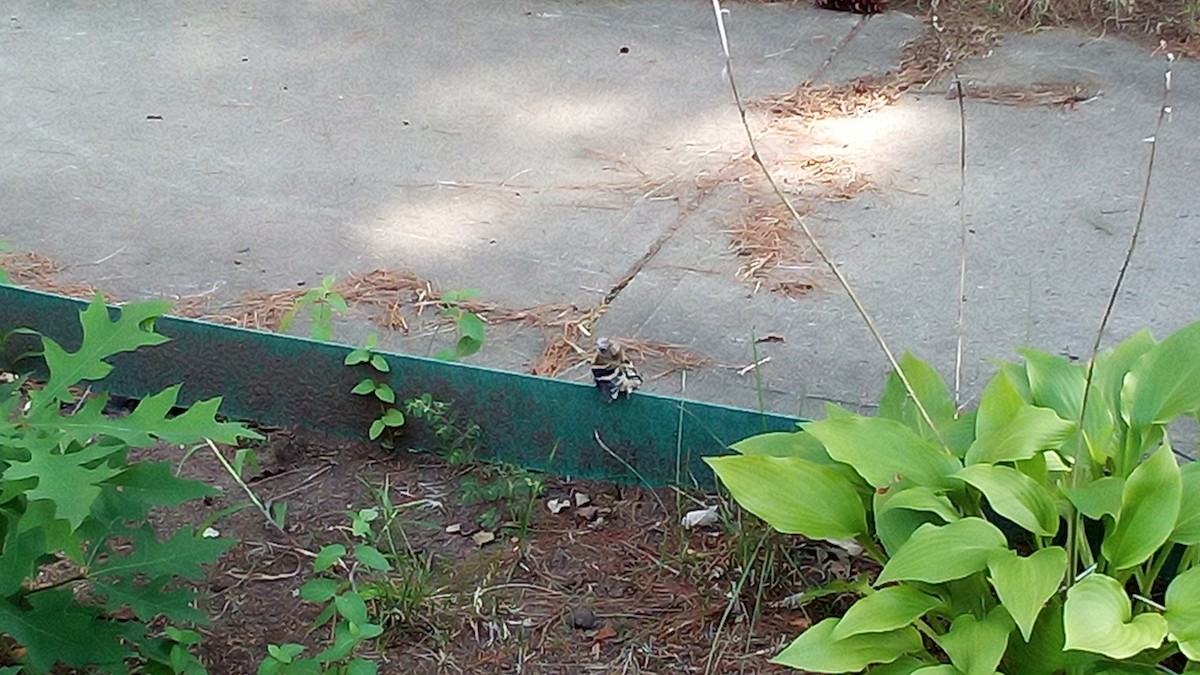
{"x":456,"y":528}
{"x":587,"y":513}
{"x":557,"y":505}
{"x":699,"y":518}
{"x":582,"y":499}
{"x":483,"y":537}
{"x":583,"y":618}
{"x":606,"y":632}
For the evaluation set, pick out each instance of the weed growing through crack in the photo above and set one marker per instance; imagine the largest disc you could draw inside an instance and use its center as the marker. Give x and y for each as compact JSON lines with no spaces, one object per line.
{"x":322,"y":303}
{"x":468,"y":325}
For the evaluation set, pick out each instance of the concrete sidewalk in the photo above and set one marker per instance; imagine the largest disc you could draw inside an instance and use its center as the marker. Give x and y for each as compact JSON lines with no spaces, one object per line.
{"x":542,"y":152}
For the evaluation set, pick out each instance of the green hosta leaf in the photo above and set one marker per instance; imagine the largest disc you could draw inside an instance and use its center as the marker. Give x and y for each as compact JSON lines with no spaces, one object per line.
{"x":1015,"y":496}
{"x":884,"y":451}
{"x":151,"y":599}
{"x":784,"y":444}
{"x":1122,"y":668}
{"x":1112,"y":365}
{"x":1024,"y":585}
{"x":976,"y":647}
{"x":1055,"y":382}
{"x":1044,"y":653}
{"x":1149,"y":509}
{"x":940,"y":669}
{"x":1183,"y":612}
{"x":793,"y":495}
{"x":181,"y":555}
{"x":1098,"y":498}
{"x":920,"y":498}
{"x":364,"y":387}
{"x":900,"y":511}
{"x":1030,"y":431}
{"x":834,"y":411}
{"x":102,"y":338}
{"x":1098,"y":617}
{"x":931,"y":391}
{"x":935,"y":554}
{"x":998,"y":405}
{"x":56,"y":628}
{"x":1187,"y":527}
{"x":905,"y":665}
{"x":884,"y":611}
{"x":960,"y":434}
{"x":816,"y":650}
{"x":1165,"y":382}
{"x":380,"y":364}
{"x":65,"y":479}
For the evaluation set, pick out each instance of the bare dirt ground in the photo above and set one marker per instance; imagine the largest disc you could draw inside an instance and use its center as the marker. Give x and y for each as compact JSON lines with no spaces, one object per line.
{"x":617,"y":588}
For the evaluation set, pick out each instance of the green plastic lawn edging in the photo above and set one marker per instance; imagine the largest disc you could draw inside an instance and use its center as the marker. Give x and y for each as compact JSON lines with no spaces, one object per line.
{"x":539,"y":423}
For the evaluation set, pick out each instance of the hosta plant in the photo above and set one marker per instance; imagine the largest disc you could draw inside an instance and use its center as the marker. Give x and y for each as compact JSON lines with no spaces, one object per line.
{"x":1052,"y":529}
{"x":85,"y":581}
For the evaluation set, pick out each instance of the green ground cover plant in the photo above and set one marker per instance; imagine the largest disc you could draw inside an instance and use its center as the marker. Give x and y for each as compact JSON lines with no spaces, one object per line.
{"x":85,"y":581}
{"x":1035,"y":533}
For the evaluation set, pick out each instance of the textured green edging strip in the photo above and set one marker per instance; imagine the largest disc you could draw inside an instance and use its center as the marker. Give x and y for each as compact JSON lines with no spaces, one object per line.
{"x":281,"y":380}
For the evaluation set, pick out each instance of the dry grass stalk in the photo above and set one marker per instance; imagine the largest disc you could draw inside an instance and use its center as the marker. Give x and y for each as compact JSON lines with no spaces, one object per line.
{"x":36,"y":271}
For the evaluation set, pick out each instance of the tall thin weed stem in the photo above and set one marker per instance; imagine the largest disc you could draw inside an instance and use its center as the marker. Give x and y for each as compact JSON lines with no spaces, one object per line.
{"x":812,"y":239}
{"x":960,"y":325}
{"x":1164,"y":111}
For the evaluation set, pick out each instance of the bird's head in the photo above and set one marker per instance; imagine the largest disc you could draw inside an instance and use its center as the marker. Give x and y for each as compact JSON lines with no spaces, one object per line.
{"x":607,"y":347}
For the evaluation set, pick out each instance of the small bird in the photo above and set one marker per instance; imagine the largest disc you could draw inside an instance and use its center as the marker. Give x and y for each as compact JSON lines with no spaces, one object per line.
{"x":854,"y":6}
{"x":612,"y":371}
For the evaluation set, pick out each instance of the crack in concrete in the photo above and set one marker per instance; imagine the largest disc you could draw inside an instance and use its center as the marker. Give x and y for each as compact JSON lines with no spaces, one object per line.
{"x":838,"y":48}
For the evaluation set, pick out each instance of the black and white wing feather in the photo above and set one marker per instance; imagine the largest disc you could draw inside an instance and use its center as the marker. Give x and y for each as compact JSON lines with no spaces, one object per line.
{"x":612,"y":371}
